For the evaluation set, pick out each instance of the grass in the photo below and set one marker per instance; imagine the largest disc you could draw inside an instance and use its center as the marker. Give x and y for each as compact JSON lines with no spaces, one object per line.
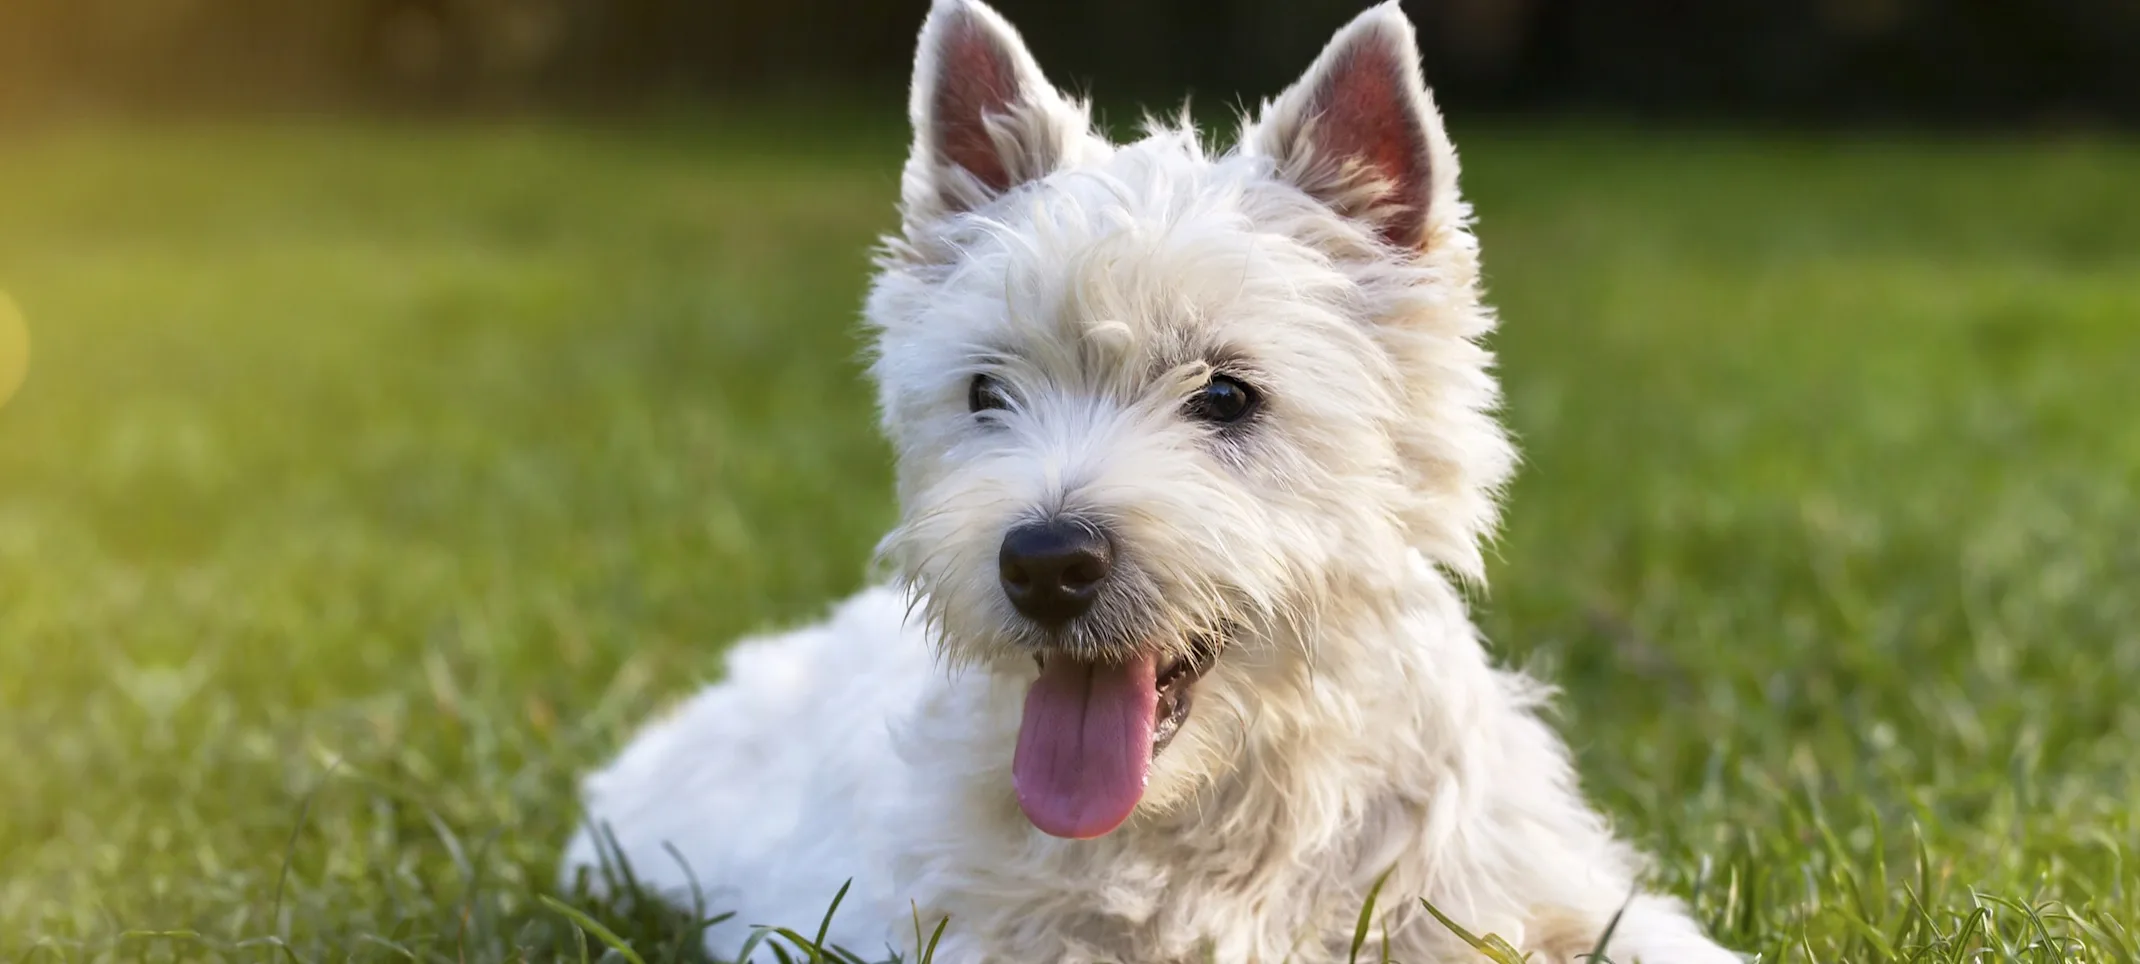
{"x":370,"y":482}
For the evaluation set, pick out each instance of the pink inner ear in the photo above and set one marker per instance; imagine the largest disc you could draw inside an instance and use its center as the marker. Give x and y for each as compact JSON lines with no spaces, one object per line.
{"x":1366,"y":113}
{"x":975,"y":77}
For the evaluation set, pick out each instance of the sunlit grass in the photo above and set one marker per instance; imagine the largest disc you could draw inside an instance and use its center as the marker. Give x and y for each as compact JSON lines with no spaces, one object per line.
{"x":369,"y":483}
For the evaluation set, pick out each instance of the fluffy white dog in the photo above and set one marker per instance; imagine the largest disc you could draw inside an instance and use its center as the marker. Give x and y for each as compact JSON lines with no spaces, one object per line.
{"x":1193,"y":450}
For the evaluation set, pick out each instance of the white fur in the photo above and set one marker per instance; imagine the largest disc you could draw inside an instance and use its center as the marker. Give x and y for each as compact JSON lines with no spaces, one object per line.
{"x":1353,"y":726}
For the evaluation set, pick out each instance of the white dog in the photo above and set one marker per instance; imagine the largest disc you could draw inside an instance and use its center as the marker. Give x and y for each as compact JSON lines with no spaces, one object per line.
{"x":1193,"y":449}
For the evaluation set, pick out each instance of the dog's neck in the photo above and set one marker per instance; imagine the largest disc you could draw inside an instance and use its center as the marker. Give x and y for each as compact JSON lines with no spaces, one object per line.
{"x":1406,"y":658}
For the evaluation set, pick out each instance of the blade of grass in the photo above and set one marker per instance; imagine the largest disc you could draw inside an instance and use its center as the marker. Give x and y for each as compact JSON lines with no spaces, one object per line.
{"x":1367,"y":914}
{"x":1493,"y":946}
{"x":592,"y":926}
{"x":825,"y":926}
{"x":1597,"y":951}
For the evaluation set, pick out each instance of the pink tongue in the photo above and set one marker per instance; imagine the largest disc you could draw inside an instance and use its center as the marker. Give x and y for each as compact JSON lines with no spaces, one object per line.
{"x":1086,"y":745}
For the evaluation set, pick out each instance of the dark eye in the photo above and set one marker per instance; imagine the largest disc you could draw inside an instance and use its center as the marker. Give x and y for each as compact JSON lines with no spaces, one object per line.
{"x":983,"y":394}
{"x":1223,"y":399}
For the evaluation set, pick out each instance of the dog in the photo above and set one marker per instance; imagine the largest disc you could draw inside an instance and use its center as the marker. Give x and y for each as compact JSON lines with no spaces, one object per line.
{"x":1196,"y":453}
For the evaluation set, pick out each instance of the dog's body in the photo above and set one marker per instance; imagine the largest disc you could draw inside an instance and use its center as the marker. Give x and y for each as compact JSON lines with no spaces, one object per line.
{"x":1169,"y":425}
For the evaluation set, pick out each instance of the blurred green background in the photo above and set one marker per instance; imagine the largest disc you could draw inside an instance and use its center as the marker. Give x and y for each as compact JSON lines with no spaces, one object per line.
{"x":377,"y":470}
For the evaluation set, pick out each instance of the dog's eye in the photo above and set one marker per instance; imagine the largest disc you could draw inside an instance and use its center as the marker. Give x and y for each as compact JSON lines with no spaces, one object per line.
{"x":983,"y":394}
{"x":1223,"y":399}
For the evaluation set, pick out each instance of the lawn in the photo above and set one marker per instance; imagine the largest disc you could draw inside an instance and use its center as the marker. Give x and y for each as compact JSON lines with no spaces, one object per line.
{"x":370,"y":481}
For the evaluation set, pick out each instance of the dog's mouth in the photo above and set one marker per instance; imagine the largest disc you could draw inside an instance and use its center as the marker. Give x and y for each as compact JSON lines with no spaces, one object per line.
{"x":1091,"y":729}
{"x":1175,"y":682}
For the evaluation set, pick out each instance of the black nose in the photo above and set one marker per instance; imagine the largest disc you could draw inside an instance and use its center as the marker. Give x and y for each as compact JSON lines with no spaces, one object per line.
{"x":1052,"y":570}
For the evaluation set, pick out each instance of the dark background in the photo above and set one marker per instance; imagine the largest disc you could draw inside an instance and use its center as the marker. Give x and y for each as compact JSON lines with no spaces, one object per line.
{"x":1917,"y":62}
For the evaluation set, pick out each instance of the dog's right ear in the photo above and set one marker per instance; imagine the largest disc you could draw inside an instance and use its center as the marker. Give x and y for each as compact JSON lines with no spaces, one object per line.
{"x":985,"y":119}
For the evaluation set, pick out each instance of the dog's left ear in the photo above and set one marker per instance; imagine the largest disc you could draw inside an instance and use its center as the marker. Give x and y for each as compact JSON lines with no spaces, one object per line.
{"x":985,"y":119}
{"x":1359,"y":131}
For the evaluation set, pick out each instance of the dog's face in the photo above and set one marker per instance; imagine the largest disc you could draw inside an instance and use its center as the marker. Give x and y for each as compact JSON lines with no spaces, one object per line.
{"x":1159,"y":412}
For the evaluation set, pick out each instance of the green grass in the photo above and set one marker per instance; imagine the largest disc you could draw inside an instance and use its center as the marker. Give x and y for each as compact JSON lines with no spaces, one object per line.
{"x":370,"y":482}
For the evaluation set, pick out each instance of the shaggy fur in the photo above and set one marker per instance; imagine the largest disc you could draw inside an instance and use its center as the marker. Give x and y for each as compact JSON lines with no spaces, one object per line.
{"x":1352,"y":724}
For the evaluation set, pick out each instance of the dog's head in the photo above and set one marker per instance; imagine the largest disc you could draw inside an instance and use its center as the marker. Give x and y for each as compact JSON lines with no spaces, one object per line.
{"x":1160,"y":411}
